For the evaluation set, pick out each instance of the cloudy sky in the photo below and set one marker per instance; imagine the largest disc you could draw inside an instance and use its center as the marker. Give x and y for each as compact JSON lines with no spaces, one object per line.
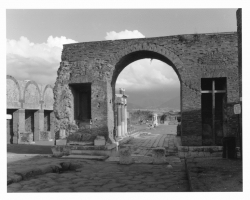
{"x":34,"y":40}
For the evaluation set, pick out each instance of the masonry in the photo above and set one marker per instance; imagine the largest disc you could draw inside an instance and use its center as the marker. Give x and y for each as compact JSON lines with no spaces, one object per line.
{"x":30,"y":106}
{"x":201,"y":61}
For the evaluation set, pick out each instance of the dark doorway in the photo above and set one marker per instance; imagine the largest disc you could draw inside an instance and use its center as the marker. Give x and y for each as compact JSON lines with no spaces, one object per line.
{"x":47,"y":120}
{"x":213,"y":100}
{"x":10,"y":132}
{"x":82,"y":101}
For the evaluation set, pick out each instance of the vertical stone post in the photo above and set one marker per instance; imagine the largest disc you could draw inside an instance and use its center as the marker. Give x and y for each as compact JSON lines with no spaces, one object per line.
{"x":52,"y":125}
{"x":123,"y":118}
{"x":38,"y":123}
{"x":18,"y":124}
{"x":126,"y":117}
{"x":119,"y":129}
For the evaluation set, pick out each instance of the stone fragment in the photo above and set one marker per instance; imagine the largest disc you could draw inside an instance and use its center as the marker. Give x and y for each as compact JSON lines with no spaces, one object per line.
{"x":159,"y":155}
{"x":125,"y":156}
{"x":169,"y":166}
{"x":61,"y":142}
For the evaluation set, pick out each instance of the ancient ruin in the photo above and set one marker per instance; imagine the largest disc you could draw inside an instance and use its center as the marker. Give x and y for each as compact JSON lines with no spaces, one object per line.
{"x":206,"y":64}
{"x":30,"y":107}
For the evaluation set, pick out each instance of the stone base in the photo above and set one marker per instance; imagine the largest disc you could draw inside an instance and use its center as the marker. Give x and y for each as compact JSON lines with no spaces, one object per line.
{"x":105,"y":150}
{"x":199,"y":151}
{"x":61,"y":142}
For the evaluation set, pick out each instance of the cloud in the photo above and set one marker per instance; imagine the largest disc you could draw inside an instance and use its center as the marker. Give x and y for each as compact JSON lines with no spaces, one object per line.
{"x":147,"y":75}
{"x":38,"y":62}
{"x":123,"y":35}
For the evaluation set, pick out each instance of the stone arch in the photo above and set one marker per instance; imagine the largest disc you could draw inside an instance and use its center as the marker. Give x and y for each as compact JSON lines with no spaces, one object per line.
{"x":48,"y":98}
{"x":32,"y":95}
{"x":13,"y":92}
{"x":141,"y":51}
{"x":144,"y":50}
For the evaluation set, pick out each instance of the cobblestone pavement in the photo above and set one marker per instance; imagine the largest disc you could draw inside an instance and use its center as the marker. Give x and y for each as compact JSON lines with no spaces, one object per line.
{"x":99,"y":176}
{"x":105,"y":176}
{"x":161,"y":136}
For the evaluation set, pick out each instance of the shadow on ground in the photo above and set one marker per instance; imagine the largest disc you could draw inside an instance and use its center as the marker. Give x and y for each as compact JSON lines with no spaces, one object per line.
{"x":28,"y":149}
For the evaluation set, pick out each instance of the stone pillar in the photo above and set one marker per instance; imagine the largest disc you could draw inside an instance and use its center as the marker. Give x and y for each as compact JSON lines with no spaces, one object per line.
{"x":18,"y":124}
{"x":52,"y":125}
{"x":38,"y":123}
{"x":123,"y":118}
{"x":126,"y":118}
{"x":155,"y":123}
{"x":119,"y":129}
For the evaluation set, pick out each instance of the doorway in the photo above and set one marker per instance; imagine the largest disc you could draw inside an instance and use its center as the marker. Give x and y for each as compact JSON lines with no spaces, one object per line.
{"x":213,"y":101}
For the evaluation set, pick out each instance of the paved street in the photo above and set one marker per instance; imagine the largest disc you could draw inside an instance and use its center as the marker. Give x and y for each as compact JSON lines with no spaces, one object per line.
{"x":105,"y":176}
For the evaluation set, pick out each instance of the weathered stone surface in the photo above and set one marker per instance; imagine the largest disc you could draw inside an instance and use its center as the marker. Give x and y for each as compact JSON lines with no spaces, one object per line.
{"x":192,"y":56}
{"x":125,"y":156}
{"x":159,"y":155}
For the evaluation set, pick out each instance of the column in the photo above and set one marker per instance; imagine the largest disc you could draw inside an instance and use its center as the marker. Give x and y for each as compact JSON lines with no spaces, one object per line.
{"x":38,"y":123}
{"x":52,"y":126}
{"x":18,"y":124}
{"x":123,"y":118}
{"x":119,"y":130}
{"x":126,"y":118}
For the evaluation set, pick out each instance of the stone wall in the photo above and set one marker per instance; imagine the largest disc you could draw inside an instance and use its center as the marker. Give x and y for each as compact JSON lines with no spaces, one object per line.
{"x":192,"y":57}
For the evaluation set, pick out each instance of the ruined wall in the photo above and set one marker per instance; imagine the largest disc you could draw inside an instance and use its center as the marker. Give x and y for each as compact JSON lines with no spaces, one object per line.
{"x":192,"y":57}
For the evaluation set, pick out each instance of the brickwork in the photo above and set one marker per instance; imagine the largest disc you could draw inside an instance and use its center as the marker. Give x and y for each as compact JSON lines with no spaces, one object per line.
{"x":192,"y":57}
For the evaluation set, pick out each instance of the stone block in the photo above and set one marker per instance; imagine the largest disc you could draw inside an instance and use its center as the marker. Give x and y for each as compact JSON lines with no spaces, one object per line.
{"x":61,"y":142}
{"x":125,"y":156}
{"x":99,"y":141}
{"x":159,"y":155}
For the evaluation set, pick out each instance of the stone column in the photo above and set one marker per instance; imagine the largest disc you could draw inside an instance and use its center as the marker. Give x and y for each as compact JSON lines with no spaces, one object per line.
{"x":119,"y":129}
{"x":123,"y":118}
{"x":18,"y":124}
{"x":126,"y":118}
{"x":38,"y":123}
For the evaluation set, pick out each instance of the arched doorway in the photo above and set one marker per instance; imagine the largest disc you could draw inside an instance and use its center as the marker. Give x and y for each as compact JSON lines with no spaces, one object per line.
{"x":151,"y":87}
{"x":137,"y":56}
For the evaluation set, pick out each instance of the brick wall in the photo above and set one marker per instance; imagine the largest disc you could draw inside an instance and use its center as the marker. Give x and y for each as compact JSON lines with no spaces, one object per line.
{"x":192,"y":57}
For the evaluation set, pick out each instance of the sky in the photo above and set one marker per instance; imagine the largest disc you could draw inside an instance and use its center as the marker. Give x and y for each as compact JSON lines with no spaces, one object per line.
{"x":35,"y":38}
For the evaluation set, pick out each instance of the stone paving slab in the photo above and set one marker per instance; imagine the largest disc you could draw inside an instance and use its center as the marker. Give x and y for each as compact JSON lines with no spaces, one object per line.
{"x":215,"y":174}
{"x":99,"y":176}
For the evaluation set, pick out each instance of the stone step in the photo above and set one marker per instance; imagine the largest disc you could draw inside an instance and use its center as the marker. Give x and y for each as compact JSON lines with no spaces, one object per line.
{"x":88,"y":157}
{"x":111,"y":152}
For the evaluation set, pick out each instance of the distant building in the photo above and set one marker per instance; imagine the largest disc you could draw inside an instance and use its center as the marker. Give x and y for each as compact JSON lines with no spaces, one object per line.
{"x":29,"y":110}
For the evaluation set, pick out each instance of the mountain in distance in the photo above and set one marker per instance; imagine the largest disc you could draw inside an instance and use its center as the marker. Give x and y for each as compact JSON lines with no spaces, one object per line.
{"x":173,"y":103}
{"x":133,"y":106}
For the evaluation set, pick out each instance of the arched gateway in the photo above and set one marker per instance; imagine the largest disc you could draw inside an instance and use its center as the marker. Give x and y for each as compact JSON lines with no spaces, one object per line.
{"x":206,"y":64}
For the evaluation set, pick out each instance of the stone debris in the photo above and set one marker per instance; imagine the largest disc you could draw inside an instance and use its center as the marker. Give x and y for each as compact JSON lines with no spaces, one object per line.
{"x":159,"y":155}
